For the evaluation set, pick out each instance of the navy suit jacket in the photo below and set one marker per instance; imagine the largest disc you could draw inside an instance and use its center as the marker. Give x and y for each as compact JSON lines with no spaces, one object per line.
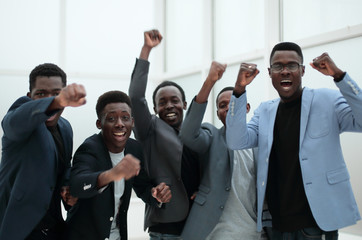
{"x":92,"y":216}
{"x":28,"y":169}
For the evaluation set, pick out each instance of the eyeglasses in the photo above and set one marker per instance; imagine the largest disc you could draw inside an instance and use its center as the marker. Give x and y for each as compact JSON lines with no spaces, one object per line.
{"x":278,"y":67}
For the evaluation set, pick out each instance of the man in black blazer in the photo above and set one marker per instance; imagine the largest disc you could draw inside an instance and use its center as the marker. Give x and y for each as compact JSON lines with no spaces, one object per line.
{"x":36,"y":153}
{"x":105,"y":168}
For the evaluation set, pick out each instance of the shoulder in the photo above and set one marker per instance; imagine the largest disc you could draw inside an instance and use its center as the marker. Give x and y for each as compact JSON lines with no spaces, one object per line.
{"x":91,"y":143}
{"x":64,"y":123}
{"x":134,"y":147}
{"x":321,"y":93}
{"x":19,"y":102}
{"x":209,"y":127}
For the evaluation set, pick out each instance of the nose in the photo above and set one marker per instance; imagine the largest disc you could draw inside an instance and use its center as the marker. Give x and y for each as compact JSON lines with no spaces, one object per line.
{"x":285,"y":70}
{"x":169,"y":105}
{"x":119,"y":122}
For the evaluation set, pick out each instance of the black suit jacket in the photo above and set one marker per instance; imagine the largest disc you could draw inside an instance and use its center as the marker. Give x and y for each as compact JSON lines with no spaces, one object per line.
{"x":92,"y":216}
{"x":28,"y":169}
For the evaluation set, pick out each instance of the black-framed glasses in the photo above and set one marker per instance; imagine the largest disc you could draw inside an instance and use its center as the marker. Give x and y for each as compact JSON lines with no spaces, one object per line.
{"x":278,"y":67}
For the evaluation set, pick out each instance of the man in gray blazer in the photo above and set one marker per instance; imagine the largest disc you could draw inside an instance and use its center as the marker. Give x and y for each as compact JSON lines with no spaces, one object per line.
{"x":166,"y":158}
{"x":225,"y":205}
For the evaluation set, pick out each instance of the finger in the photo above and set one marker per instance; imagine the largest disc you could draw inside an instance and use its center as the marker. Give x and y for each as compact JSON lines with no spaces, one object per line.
{"x":161,"y":186}
{"x":164,"y":196}
{"x":164,"y":190}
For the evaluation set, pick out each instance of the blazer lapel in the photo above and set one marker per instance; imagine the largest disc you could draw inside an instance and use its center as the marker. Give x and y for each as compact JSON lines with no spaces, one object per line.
{"x":272,"y":114}
{"x":307,"y":98}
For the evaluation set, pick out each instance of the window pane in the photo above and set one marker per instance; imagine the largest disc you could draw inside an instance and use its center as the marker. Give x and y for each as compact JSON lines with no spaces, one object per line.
{"x":29,"y":33}
{"x":346,"y":55}
{"x":305,"y":18}
{"x":239,"y":27}
{"x":106,"y":36}
{"x":184,"y":34}
{"x":191,"y":85}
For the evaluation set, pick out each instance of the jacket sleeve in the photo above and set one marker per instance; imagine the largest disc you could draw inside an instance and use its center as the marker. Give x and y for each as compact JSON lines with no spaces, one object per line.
{"x":84,"y":173}
{"x":136,"y":91}
{"x":28,"y":114}
{"x":192,"y":134}
{"x":349,"y":108}
{"x":239,"y":134}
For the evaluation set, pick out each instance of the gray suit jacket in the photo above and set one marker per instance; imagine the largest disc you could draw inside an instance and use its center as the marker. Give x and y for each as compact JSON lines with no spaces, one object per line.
{"x":163,"y":152}
{"x":216,"y":164}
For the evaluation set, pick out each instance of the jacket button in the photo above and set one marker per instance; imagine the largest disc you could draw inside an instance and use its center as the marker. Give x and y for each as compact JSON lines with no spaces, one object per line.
{"x":221,"y":207}
{"x":227,"y":189}
{"x":111,"y":219}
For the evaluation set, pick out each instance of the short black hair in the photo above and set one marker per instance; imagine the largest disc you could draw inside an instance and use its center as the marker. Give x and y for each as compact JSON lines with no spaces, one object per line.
{"x":286,"y":46}
{"x":165,"y":84}
{"x":223,"y":90}
{"x":46,"y":70}
{"x":111,"y":97}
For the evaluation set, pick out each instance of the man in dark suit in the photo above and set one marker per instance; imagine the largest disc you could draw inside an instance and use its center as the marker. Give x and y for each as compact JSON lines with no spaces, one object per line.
{"x":36,"y":153}
{"x":105,"y":168}
{"x":167,"y":159}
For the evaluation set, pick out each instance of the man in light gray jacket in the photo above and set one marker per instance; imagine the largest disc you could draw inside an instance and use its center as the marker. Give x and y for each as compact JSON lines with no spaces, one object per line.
{"x":225,"y":205}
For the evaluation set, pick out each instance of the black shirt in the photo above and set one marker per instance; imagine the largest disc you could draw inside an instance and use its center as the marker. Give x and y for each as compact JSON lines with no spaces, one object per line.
{"x":285,"y":193}
{"x":53,"y":218}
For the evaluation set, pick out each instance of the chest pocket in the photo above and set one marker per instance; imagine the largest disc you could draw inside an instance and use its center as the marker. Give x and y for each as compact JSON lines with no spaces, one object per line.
{"x":318,"y":125}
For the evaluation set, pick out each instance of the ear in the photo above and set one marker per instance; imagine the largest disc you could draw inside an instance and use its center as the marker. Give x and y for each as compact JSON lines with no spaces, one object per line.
{"x":269,"y":72}
{"x":217,"y":114}
{"x":303,"y":70}
{"x":185,"y":105}
{"x":132,"y":122}
{"x":28,"y":94}
{"x":99,"y":124}
{"x":155,"y":109}
{"x":247,"y":108}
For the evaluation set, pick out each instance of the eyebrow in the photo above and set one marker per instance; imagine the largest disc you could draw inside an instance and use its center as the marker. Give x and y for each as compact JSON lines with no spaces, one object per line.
{"x":44,"y":90}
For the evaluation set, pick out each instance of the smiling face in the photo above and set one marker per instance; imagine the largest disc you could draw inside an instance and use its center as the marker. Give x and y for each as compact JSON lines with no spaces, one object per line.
{"x":223,"y":105}
{"x":287,"y":83}
{"x":116,"y":124}
{"x":47,"y":87}
{"x":169,"y":106}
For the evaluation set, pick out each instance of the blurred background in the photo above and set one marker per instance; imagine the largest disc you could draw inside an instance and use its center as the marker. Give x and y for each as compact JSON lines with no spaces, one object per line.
{"x":97,"y":42}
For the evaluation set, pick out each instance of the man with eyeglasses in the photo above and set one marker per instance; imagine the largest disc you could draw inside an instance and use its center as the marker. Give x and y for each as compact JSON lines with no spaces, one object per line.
{"x":301,"y":175}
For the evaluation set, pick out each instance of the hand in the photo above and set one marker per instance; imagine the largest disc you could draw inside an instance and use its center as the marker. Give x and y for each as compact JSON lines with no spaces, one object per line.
{"x":216,"y":71}
{"x":325,"y":65}
{"x":67,"y":198}
{"x":152,"y":38}
{"x":127,"y":168}
{"x":162,"y":193}
{"x":72,"y":95}
{"x":193,"y":196}
{"x":246,"y":75}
